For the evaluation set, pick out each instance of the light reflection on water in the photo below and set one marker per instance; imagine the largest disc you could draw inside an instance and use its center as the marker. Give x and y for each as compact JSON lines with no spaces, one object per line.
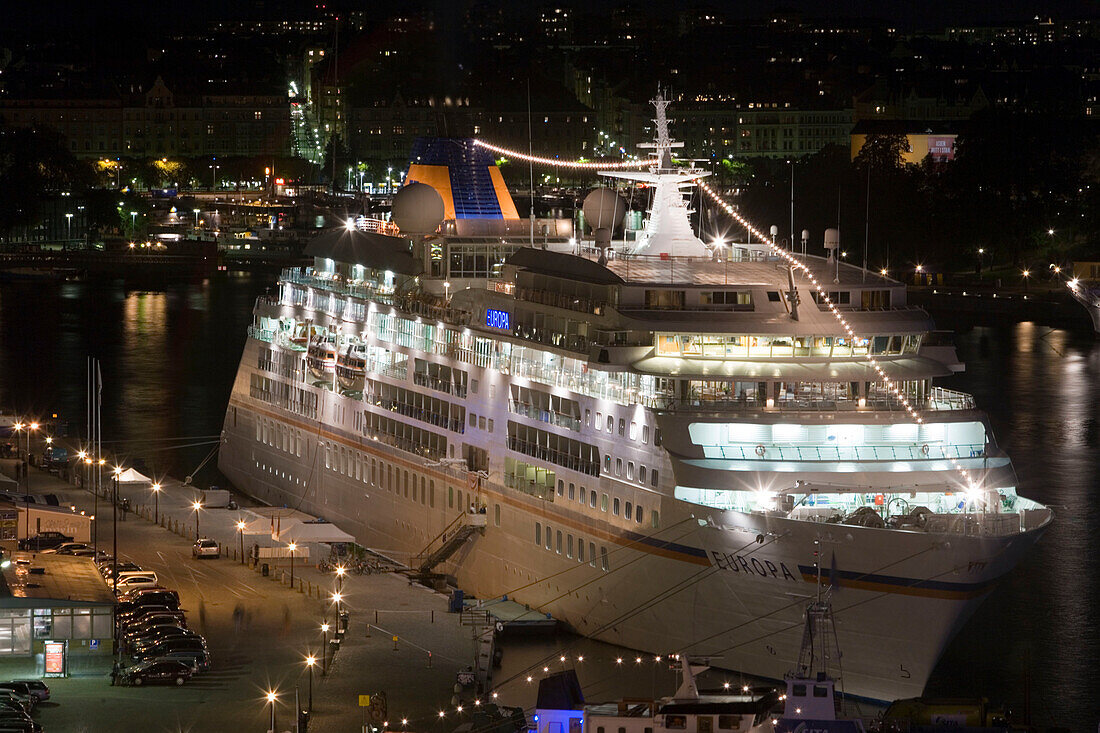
{"x":169,"y":357}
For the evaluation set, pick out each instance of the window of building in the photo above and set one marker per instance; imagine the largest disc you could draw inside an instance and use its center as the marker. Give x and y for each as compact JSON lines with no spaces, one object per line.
{"x":603,"y":502}
{"x":653,"y":478}
{"x":633,"y":430}
{"x":603,"y":560}
{"x":580,"y":550}
{"x":641,"y":474}
{"x":618,"y":466}
{"x":592,"y":499}
{"x":592,"y":554}
{"x":569,"y":546}
{"x":610,"y":424}
{"x":538,"y":533}
{"x":561,"y":488}
{"x":558,"y":542}
{"x":638,"y":514}
{"x":496,"y":515}
{"x":572,"y":491}
{"x":622,"y":427}
{"x":630,"y":470}
{"x":629,"y":510}
{"x":615,"y":506}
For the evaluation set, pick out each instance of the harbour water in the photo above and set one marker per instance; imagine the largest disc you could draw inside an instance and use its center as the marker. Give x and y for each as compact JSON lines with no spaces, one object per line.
{"x":169,"y":357}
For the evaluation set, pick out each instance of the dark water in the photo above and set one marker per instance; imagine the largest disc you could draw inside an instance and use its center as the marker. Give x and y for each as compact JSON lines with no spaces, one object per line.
{"x":170,"y":354}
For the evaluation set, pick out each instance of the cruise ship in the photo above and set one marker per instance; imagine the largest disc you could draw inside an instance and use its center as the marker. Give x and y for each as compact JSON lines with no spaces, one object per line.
{"x":666,"y":443}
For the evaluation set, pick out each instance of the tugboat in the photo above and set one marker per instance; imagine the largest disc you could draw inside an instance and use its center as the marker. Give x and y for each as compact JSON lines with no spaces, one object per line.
{"x":810,"y":703}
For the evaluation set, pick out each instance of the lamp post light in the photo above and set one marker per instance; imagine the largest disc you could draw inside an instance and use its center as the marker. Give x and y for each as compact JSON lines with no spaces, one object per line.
{"x":156,"y":502}
{"x":98,"y":473}
{"x":324,"y":647}
{"x":292,"y":547}
{"x":27,"y":427}
{"x":310,"y":661}
{"x":114,"y":531}
{"x":340,"y":571}
{"x":197,"y":507}
{"x":82,"y":459}
{"x":271,"y":697}
{"x":337,"y":597}
{"x":69,"y":225}
{"x":133,"y":223}
{"x":214,"y":175}
{"x":240,"y":531}
{"x":1027,"y":277}
{"x":196,"y":213}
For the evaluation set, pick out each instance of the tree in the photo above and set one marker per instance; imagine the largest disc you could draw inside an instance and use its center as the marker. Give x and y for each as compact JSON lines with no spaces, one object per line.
{"x":883,"y":152}
{"x":34,"y":164}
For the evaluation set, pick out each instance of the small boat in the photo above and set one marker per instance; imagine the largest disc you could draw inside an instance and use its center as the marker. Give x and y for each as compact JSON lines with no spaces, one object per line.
{"x":351,"y":367}
{"x":321,"y":356}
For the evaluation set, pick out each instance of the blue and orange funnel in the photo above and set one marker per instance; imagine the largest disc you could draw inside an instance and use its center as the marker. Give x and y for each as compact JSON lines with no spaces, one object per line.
{"x":465,"y":175}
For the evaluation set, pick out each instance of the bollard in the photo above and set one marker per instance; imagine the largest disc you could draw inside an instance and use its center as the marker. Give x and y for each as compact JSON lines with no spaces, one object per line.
{"x":395,"y":642}
{"x":432,"y":616}
{"x":429,"y":660}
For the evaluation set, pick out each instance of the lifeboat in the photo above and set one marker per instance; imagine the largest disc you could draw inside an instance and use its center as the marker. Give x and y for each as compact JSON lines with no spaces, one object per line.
{"x":321,"y":356}
{"x":351,"y":366}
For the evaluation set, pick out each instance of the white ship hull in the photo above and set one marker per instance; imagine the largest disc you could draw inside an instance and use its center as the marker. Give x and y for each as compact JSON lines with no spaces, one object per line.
{"x":708,"y":581}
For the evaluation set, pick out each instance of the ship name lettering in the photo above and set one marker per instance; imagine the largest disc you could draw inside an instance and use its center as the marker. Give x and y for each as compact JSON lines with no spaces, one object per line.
{"x":751,"y":566}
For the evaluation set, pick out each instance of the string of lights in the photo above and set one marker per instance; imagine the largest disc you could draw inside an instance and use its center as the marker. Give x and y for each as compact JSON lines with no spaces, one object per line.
{"x":823,"y":296}
{"x":573,"y":164}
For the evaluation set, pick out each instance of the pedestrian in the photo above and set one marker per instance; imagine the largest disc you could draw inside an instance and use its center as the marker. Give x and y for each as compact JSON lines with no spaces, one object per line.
{"x":238,"y":618}
{"x":115,"y":668}
{"x":202,"y":615}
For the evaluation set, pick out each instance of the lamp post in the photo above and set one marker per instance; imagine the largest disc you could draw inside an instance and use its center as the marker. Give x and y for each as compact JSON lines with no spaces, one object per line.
{"x":310,"y":661}
{"x":69,"y":225}
{"x":340,"y":571}
{"x":196,"y":213}
{"x":292,"y":547}
{"x":114,"y":534}
{"x":271,"y":696}
{"x":214,"y":183}
{"x":1027,"y":276}
{"x":156,"y":502}
{"x":133,"y":223}
{"x":324,"y":647}
{"x":240,"y":531}
{"x":81,"y":459}
{"x":197,"y":507}
{"x":28,"y":427}
{"x":95,"y":503}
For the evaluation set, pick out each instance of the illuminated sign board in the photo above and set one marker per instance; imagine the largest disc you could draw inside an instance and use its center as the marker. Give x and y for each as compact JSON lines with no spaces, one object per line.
{"x":498,"y":319}
{"x":942,"y":147}
{"x":55,"y":658}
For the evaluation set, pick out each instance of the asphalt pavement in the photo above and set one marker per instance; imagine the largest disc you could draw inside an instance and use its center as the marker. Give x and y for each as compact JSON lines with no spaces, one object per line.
{"x":259,"y":632}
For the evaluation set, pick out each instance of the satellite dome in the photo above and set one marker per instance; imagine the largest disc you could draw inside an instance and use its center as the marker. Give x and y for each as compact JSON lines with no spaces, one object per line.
{"x":603,"y":209}
{"x":417,"y":209}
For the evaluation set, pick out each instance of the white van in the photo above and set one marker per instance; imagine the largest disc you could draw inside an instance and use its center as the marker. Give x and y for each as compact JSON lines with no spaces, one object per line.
{"x":141,"y":580}
{"x":128,"y":573}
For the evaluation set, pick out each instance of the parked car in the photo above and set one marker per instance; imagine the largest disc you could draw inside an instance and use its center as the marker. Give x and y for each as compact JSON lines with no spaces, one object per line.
{"x":134,"y":581}
{"x":38,"y":688}
{"x":11,"y":702}
{"x":132,"y":573}
{"x":159,"y":634}
{"x":136,"y":613}
{"x":22,"y":691}
{"x":12,"y":721}
{"x":66,"y":547}
{"x":145,"y":625}
{"x":199,"y":660}
{"x":108,"y":568}
{"x":166,"y":671}
{"x":188,"y":643}
{"x":205,"y":547}
{"x":44,"y":541}
{"x":149,"y":596}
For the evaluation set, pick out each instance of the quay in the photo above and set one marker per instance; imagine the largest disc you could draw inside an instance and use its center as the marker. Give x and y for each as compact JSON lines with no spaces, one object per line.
{"x":400,"y":639}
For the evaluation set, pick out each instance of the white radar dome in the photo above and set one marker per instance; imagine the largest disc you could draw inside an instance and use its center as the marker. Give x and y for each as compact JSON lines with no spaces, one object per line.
{"x":417,"y":209}
{"x":603,"y":209}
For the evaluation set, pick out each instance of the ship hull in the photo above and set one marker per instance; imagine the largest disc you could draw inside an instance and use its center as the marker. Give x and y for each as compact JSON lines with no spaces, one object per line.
{"x":706,"y":581}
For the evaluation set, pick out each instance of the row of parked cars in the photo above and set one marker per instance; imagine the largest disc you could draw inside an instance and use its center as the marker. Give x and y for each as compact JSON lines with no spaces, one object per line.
{"x":18,"y":700}
{"x":153,"y":629}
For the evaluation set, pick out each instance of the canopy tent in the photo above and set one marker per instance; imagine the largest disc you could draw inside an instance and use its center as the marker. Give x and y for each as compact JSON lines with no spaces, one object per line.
{"x":254,"y":524}
{"x":133,"y":477}
{"x":302,"y":532}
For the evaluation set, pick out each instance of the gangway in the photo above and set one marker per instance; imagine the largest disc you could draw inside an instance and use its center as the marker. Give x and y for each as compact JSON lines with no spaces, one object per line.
{"x":447,"y":543}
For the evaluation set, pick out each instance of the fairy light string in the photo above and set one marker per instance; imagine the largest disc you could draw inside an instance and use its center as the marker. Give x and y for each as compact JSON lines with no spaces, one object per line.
{"x":574,"y":164}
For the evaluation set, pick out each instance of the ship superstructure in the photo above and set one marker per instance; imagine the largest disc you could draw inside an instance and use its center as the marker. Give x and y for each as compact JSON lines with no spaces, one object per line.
{"x":672,"y":446}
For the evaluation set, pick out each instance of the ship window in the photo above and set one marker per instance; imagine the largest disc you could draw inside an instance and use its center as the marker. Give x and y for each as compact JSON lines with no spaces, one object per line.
{"x":638,"y":514}
{"x":820,"y":691}
{"x":633,"y":430}
{"x":592,"y":554}
{"x":558,"y":544}
{"x":603,"y":502}
{"x":587,"y":418}
{"x":406,"y":484}
{"x":549,"y":537}
{"x":538,"y":533}
{"x":629,"y":510}
{"x":373,"y":471}
{"x":618,"y":466}
{"x":607,"y":463}
{"x":657,"y":437}
{"x":572,"y":491}
{"x":603,"y":559}
{"x":496,"y":515}
{"x":473,"y":420}
{"x":729,"y":722}
{"x":610,"y":424}
{"x":704,"y":724}
{"x":599,"y":419}
{"x":451,"y":502}
{"x":615,"y":506}
{"x":653,"y":478}
{"x":569,"y":546}
{"x":490,"y":426}
{"x":645,"y":434}
{"x":473,"y":386}
{"x":561,"y":488}
{"x":630,"y":470}
{"x":773,"y":296}
{"x":641,"y":474}
{"x":622,"y":427}
{"x":481,"y":423}
{"x":580,"y":550}
{"x":798,"y":690}
{"x":423,"y":493}
{"x":431,"y":494}
{"x":592,"y":499}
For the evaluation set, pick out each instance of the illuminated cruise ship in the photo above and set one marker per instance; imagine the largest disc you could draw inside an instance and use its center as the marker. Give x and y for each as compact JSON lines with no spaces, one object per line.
{"x":669,"y":445}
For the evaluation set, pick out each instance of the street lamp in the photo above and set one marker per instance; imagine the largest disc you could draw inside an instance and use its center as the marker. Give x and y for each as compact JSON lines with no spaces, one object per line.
{"x":196,"y":506}
{"x":69,"y":224}
{"x":28,"y":427}
{"x":310,"y":661}
{"x":240,"y":531}
{"x":271,"y":696}
{"x":336,"y":598}
{"x":156,"y":502}
{"x":133,"y":223}
{"x":292,"y":547}
{"x":340,"y":571}
{"x":114,"y":534}
{"x":324,"y":647}
{"x":196,"y":212}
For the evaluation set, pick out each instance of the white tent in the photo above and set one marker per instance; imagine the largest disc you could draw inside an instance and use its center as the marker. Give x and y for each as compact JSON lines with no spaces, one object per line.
{"x":302,"y":532}
{"x":255,"y":524}
{"x":131,"y":477}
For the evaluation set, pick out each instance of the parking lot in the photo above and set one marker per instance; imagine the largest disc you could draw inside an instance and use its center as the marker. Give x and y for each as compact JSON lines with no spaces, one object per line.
{"x":259,"y":633}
